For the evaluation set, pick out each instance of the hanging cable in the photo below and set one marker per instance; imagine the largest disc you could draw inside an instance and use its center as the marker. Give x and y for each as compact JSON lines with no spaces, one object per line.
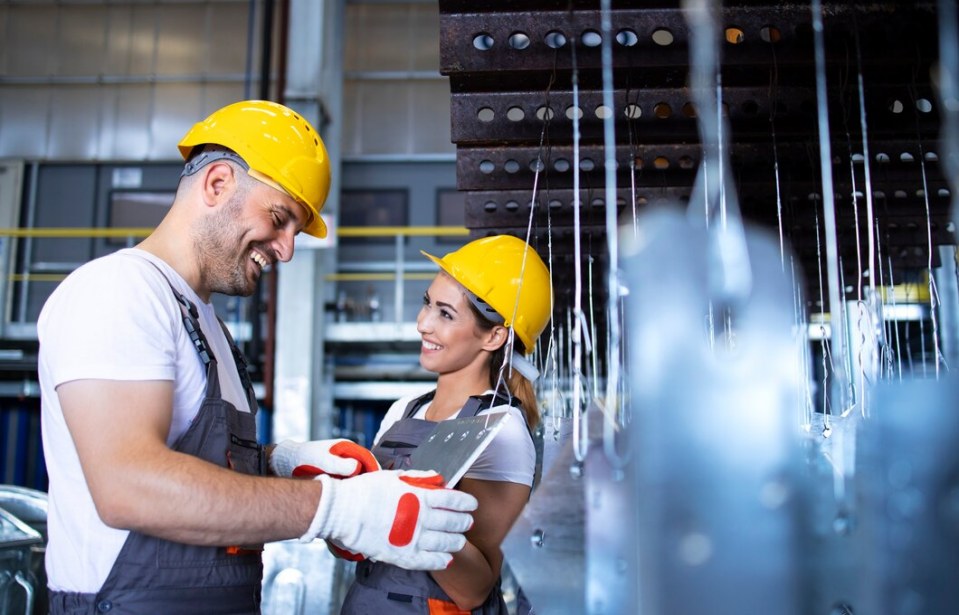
{"x":837,"y":327}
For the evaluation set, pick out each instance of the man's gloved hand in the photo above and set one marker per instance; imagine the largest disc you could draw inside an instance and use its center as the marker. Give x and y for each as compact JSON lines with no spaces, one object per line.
{"x":340,"y":458}
{"x":405,"y":518}
{"x":338,"y":551}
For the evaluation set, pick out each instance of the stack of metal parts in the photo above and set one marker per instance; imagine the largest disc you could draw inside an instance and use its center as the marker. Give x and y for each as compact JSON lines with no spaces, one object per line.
{"x":512,"y":67}
{"x":718,"y":491}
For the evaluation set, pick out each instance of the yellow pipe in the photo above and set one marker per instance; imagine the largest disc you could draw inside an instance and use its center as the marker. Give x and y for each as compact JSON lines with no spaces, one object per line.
{"x":36,"y":277}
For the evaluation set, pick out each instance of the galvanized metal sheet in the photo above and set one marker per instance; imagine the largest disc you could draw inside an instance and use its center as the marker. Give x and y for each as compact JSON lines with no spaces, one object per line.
{"x":455,"y":444}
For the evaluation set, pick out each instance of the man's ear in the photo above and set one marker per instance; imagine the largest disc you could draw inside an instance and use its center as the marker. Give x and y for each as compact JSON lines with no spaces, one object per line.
{"x":495,"y":338}
{"x":218,"y":177}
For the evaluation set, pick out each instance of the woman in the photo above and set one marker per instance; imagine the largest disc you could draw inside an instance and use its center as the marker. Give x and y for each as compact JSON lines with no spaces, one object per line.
{"x":480,"y":316}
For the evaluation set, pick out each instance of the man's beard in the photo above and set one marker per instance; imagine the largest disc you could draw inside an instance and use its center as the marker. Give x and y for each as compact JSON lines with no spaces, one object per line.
{"x":222,"y":258}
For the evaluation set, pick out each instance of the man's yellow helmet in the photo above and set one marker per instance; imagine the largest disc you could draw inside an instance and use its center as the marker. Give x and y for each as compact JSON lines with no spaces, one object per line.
{"x":509,"y":276}
{"x":279,"y":145}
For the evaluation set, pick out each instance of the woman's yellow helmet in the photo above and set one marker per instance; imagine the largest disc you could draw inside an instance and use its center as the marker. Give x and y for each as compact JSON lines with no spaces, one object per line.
{"x":281,"y":148}
{"x":510,"y":277}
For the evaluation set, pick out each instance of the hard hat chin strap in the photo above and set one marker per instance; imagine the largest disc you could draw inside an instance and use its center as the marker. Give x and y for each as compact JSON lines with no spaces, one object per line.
{"x":524,"y":366}
{"x":211,"y":154}
{"x":484,"y":308}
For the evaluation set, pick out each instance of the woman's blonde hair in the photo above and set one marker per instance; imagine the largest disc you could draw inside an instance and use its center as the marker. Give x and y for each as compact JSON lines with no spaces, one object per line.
{"x":518,"y":385}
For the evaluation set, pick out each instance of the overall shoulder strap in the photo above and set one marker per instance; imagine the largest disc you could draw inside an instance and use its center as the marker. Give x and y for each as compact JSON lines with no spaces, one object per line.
{"x":242,"y":367}
{"x":191,"y":320}
{"x":477,"y":403}
{"x":416,"y":403}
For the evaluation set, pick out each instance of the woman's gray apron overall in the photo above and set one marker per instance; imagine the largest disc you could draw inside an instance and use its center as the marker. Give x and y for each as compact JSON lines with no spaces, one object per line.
{"x":384,"y":588}
{"x":152,"y":575}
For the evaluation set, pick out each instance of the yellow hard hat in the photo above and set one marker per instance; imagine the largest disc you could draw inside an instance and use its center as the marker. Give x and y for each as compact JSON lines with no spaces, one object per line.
{"x":494,"y":270}
{"x":281,"y":148}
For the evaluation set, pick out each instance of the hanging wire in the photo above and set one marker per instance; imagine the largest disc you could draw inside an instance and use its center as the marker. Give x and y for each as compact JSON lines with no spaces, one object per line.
{"x":580,"y":427}
{"x":867,"y":166}
{"x":824,"y":346}
{"x":773,"y":86}
{"x":887,"y":323}
{"x":613,"y":404}
{"x":933,"y":291}
{"x":728,"y":242}
{"x":829,"y":207}
{"x":807,"y":406}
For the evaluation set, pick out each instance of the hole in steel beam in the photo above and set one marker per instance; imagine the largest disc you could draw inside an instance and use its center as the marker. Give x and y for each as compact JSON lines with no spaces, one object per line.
{"x":626,"y":37}
{"x":485,"y":114}
{"x":554,"y":39}
{"x":735,"y":35}
{"x":536,"y":165}
{"x":597,"y":202}
{"x":561,"y":165}
{"x":661,"y":163}
{"x":770,"y":34}
{"x":489,"y":206}
{"x":923,"y":105}
{"x":483,"y":41}
{"x":663,"y":37}
{"x":686,"y":162}
{"x":689,"y":110}
{"x":587,"y":165}
{"x":545,"y":113}
{"x":511,"y":166}
{"x":633,"y":111}
{"x":591,"y":38}
{"x":662,"y":110}
{"x":515,"y":114}
{"x":518,"y":40}
{"x":602,"y":112}
{"x":572,"y":112}
{"x":882,"y":158}
{"x":931,"y":157}
{"x":555,"y":204}
{"x":896,"y":106}
{"x":487,"y":166}
{"x":900,"y":194}
{"x":906,"y":157}
{"x":943,"y":193}
{"x":512,"y":205}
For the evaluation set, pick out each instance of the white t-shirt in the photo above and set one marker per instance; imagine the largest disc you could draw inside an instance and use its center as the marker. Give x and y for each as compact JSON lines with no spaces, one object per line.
{"x":509,"y":457}
{"x":114,"y":318}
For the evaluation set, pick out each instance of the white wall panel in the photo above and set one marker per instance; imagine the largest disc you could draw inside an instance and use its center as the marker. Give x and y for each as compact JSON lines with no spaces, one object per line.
{"x":72,"y":139}
{"x":80,"y":43}
{"x":396,"y":101}
{"x":131,"y":123}
{"x":119,"y":80}
{"x":23,"y":122}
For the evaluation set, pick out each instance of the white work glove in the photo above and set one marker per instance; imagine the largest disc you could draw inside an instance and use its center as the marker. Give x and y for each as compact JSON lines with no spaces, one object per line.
{"x":405,"y":518}
{"x":340,"y":458}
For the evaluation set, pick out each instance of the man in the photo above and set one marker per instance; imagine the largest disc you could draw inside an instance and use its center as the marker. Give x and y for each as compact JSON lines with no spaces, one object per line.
{"x":157,"y":499}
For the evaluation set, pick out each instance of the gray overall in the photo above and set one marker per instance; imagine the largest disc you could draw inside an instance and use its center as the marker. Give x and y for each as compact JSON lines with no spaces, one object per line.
{"x":384,"y":588}
{"x":152,"y":575}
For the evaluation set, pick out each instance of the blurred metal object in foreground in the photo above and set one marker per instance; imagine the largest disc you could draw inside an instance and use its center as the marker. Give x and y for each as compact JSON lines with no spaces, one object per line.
{"x":714,"y":383}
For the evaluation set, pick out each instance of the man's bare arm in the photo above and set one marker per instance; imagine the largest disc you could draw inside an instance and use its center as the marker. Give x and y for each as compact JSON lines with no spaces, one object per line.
{"x":138,"y":483}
